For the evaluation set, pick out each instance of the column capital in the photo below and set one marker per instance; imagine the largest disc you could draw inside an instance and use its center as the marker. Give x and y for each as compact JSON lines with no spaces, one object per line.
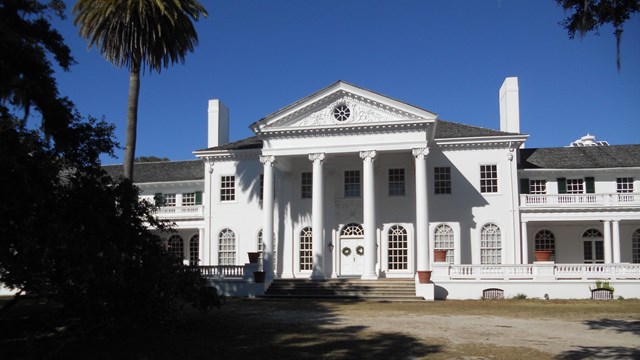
{"x":317,"y":156}
{"x":369,"y":155}
{"x":267,"y":159}
{"x":420,"y":153}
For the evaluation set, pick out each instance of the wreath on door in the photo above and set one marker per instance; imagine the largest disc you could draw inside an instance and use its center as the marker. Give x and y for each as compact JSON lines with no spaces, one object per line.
{"x":346,"y":251}
{"x":360,"y":250}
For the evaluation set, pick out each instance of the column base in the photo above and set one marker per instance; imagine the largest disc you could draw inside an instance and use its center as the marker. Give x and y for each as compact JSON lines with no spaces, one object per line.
{"x":372,"y":276}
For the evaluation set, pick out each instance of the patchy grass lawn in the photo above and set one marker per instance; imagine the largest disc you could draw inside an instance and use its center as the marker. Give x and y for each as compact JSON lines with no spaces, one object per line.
{"x":261,"y":329}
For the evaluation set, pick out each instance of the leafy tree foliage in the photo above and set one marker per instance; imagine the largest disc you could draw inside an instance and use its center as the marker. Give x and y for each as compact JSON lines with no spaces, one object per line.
{"x":590,"y":15}
{"x":151,"y":159}
{"x":139,"y":34}
{"x":68,"y":232}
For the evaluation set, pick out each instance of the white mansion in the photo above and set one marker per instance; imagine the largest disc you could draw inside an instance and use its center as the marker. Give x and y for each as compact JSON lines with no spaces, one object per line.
{"x":350,"y":183}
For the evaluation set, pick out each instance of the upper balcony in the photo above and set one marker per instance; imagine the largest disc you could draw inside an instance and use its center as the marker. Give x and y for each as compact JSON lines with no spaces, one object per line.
{"x":180,"y":212}
{"x":552,"y":201}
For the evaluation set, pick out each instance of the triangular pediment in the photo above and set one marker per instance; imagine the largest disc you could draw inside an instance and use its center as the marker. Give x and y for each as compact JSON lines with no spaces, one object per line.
{"x":342,"y":105}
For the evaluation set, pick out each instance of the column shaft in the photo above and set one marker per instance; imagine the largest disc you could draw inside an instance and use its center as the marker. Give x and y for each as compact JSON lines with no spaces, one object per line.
{"x":525,"y":243}
{"x":317,"y":216}
{"x":422,"y":211}
{"x":616,"y":241}
{"x":369,"y":214}
{"x":267,"y":213}
{"x":607,"y":242}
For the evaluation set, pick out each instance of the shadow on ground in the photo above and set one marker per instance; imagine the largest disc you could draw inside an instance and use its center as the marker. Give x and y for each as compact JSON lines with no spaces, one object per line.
{"x":601,"y":352}
{"x":621,"y":326}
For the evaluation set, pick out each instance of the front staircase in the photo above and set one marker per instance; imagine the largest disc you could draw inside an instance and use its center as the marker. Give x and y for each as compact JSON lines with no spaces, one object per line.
{"x":402,"y":290}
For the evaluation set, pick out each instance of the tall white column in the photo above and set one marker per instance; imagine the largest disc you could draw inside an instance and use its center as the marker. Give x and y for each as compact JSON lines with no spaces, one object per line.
{"x":422,"y":210}
{"x":317,"y":216}
{"x":616,"y":240}
{"x":525,"y":242}
{"x":201,"y":247}
{"x":267,"y":215}
{"x":369,"y":214}
{"x":607,"y":241}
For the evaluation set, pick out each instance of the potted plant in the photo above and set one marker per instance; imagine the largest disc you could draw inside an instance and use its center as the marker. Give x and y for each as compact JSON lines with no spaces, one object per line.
{"x":424,"y":277}
{"x":254,"y":257}
{"x":439,"y":255}
{"x":543,"y":255}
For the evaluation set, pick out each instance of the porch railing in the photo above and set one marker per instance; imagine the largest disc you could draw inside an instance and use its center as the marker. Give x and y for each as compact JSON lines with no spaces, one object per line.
{"x":180,"y":211}
{"x":544,"y":272}
{"x":579,"y":200}
{"x":222,"y":271}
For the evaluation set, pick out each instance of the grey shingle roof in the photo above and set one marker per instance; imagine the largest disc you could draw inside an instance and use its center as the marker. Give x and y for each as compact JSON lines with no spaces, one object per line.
{"x":589,"y":157}
{"x":161,"y":171}
{"x":448,"y":130}
{"x":252,"y":142}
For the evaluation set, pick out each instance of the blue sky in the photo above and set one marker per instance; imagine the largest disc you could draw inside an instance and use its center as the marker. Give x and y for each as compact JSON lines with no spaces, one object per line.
{"x":449,"y":57}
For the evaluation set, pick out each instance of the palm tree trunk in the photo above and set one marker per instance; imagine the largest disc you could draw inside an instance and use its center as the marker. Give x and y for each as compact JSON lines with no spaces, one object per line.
{"x":132,"y":120}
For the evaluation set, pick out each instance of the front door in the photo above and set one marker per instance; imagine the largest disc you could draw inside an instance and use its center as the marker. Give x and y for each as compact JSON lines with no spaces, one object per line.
{"x":351,"y":257}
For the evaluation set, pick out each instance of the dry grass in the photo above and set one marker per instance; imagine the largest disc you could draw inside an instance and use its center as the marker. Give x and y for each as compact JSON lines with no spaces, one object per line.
{"x":300,"y":329}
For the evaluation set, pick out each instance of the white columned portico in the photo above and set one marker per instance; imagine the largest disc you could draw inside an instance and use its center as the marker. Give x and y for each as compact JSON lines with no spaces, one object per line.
{"x":267,"y":213}
{"x":317,"y":216}
{"x":525,"y":242}
{"x":607,"y":241}
{"x":422,"y":209}
{"x":616,"y":240}
{"x":369,"y":214}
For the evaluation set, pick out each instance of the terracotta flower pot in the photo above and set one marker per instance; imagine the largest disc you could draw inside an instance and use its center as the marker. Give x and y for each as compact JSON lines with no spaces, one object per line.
{"x":424,"y":277}
{"x":258,"y":276}
{"x":440,"y":255}
{"x":254,"y":257}
{"x":543,"y":255}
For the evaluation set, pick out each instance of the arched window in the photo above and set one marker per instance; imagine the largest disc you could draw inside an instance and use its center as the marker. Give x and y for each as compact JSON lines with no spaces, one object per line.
{"x":194,"y":250}
{"x":352,"y":230}
{"x":398,"y":248}
{"x":227,"y":247}
{"x":635,"y":246}
{"x":260,"y":249}
{"x":306,"y":249}
{"x":490,"y":244}
{"x":443,"y":239}
{"x":545,"y":241}
{"x":593,"y":246}
{"x":175,"y":245}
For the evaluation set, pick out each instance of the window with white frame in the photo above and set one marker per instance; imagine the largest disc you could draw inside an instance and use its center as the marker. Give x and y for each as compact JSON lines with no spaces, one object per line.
{"x":490,"y":244}
{"x":488,"y":178}
{"x":398,"y":248}
{"x":593,"y":246}
{"x":396,"y":182}
{"x":442,"y":180}
{"x":175,"y":246}
{"x":189,"y":199}
{"x":228,"y":188}
{"x":443,"y":239}
{"x":306,"y":185}
{"x":194,"y":250}
{"x":537,"y":187}
{"x":635,"y":247}
{"x":261,"y":251}
{"x":352,"y":230}
{"x":226,"y":247}
{"x":261,"y":186}
{"x":545,"y":241}
{"x":169,"y":200}
{"x":352,"y":183}
{"x":624,"y":185}
{"x":575,"y":186}
{"x":306,"y":249}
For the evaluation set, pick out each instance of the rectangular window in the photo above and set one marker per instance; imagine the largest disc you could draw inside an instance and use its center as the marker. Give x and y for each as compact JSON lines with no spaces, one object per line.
{"x":306,"y":185}
{"x":227,"y":188}
{"x":352,"y":183}
{"x":488,"y":178}
{"x":538,"y":187}
{"x":396,"y":182}
{"x":189,"y":199}
{"x":169,"y":200}
{"x":575,"y":186}
{"x":261,"y":186}
{"x":624,"y":185}
{"x":442,"y":180}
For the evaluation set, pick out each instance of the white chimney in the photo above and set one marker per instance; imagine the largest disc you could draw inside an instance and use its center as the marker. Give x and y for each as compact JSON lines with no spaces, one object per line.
{"x":509,"y":106}
{"x":218,"y":133}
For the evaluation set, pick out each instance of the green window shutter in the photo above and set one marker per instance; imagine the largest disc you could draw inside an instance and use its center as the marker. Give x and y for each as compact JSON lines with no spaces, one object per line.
{"x":159,"y":199}
{"x":198,"y":197}
{"x":562,"y":185}
{"x":524,"y":186}
{"x":590,"y":184}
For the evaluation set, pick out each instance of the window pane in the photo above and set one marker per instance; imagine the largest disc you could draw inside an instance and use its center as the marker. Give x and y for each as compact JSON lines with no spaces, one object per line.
{"x":352,"y":183}
{"x":442,"y":180}
{"x":396,"y":182}
{"x":227,"y":188}
{"x":306,"y":185}
{"x":227,"y":247}
{"x":398,"y":248}
{"x":306,"y":249}
{"x":488,"y":178}
{"x":188,"y":199}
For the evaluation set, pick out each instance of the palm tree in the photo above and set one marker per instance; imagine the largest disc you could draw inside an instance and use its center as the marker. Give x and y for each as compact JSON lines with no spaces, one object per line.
{"x":139,"y":34}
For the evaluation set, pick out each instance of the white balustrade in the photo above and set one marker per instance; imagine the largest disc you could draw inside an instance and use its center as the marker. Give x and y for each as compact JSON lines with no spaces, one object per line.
{"x":222,"y":271}
{"x":479,"y":272}
{"x":180,"y":211}
{"x":579,"y":200}
{"x":530,"y":271}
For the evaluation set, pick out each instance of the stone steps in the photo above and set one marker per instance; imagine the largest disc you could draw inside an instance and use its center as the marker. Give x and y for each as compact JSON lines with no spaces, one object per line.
{"x":346,"y":289}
